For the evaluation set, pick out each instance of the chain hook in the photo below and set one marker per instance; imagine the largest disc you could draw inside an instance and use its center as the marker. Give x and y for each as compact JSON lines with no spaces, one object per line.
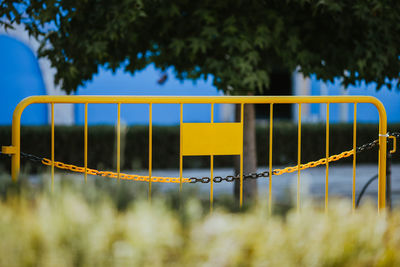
{"x":394,"y":139}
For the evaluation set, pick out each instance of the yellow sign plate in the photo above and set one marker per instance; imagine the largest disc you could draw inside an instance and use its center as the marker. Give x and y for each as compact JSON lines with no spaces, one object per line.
{"x":201,"y":139}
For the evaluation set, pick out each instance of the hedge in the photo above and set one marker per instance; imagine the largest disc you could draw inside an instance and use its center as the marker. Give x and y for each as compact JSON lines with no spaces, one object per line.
{"x":69,"y":145}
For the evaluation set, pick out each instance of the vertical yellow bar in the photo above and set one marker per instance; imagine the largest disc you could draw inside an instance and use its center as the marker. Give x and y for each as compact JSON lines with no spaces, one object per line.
{"x":382,"y":156}
{"x":354,"y":156}
{"x":382,"y":164}
{"x":271,"y":118}
{"x":212,"y":167}
{"x":180,"y":151}
{"x":298,"y":157}
{"x":119,"y":142}
{"x":150,"y":146}
{"x":327,"y":157}
{"x":211,"y":183}
{"x":241,"y":159}
{"x":52,"y":147}
{"x":86,"y":141}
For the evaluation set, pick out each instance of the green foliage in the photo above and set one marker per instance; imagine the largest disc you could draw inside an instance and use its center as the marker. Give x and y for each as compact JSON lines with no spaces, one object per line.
{"x":83,"y":227}
{"x":238,"y":42}
{"x":102,"y":141}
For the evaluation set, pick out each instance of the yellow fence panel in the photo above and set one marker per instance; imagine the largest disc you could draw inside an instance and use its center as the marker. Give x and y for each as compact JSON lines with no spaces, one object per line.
{"x":199,"y":139}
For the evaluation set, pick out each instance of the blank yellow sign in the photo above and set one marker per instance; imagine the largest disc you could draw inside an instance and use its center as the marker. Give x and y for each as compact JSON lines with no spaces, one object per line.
{"x":201,"y":139}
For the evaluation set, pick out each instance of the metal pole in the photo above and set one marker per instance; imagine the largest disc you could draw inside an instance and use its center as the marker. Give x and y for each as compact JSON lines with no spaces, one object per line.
{"x":388,"y":181}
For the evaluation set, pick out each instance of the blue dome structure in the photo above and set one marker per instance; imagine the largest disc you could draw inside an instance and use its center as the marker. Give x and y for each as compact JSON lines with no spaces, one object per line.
{"x":20,"y":77}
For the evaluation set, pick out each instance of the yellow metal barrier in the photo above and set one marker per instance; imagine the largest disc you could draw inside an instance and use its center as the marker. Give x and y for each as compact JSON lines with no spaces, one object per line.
{"x":209,"y":138}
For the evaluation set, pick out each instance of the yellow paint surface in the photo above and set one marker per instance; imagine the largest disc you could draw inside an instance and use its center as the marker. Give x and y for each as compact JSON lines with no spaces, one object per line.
{"x":200,"y":139}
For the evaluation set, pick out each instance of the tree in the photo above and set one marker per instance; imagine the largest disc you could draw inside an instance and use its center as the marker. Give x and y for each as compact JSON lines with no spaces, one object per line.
{"x":238,"y":42}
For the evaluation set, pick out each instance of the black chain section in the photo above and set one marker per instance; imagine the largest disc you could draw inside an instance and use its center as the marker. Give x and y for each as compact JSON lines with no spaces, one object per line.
{"x":367,"y":146}
{"x":231,"y":178}
{"x":395,"y":134}
{"x":31,"y":157}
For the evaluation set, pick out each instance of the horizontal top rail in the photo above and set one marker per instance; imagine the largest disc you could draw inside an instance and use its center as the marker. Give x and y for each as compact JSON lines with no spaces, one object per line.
{"x":129,"y":99}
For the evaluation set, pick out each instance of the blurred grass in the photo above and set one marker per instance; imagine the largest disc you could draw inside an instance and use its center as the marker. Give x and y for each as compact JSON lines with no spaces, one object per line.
{"x":106,"y":223}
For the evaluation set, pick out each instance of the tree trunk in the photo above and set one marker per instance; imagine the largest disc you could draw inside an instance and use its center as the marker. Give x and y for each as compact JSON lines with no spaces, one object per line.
{"x":249,"y":153}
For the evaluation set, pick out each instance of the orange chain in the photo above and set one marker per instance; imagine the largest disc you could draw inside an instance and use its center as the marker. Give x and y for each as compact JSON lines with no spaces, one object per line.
{"x":313,"y":164}
{"x":122,"y":176}
{"x":135,"y":177}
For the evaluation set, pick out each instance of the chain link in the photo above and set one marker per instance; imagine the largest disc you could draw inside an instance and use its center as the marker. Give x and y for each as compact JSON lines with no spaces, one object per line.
{"x":31,"y":157}
{"x":367,"y":146}
{"x":395,"y":134}
{"x":114,"y":175}
{"x":204,"y":180}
